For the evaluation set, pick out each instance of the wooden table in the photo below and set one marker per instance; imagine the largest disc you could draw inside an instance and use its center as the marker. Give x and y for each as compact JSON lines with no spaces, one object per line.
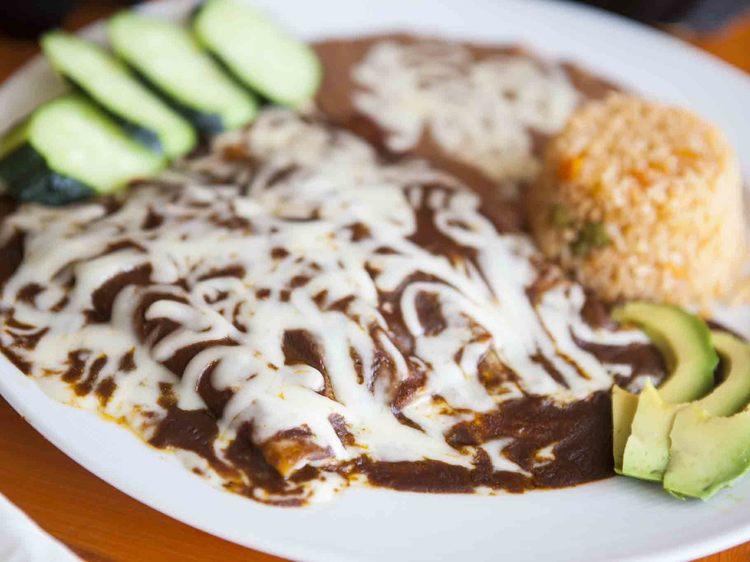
{"x":101,"y":523}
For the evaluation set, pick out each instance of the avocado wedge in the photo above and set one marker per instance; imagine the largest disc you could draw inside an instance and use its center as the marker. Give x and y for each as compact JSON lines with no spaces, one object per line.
{"x":642,"y":423}
{"x":624,"y":404}
{"x":727,"y":398}
{"x":709,"y":452}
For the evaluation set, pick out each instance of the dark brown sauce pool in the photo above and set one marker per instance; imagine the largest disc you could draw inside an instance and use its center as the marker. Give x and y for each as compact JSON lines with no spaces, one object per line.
{"x":578,"y":434}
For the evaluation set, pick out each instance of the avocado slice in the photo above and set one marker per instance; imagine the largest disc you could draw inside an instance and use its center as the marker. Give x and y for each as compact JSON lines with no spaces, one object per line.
{"x":727,"y":398}
{"x":733,"y":393}
{"x":684,"y":340}
{"x":709,"y":452}
{"x":624,"y":404}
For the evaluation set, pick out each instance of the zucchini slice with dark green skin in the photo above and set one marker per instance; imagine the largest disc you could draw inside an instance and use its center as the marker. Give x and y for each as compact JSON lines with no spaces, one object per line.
{"x":13,"y":138}
{"x":68,"y":150}
{"x":259,"y":53}
{"x":109,"y":83}
{"x":168,"y":58}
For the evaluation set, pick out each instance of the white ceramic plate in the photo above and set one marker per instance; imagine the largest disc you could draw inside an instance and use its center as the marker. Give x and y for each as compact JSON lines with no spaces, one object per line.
{"x":617,"y":519}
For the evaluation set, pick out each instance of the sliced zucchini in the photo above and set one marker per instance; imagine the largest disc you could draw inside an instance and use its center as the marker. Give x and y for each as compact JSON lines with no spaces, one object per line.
{"x":168,"y":58}
{"x":68,"y":150}
{"x":13,"y":138}
{"x":109,"y":83}
{"x":258,"y":52}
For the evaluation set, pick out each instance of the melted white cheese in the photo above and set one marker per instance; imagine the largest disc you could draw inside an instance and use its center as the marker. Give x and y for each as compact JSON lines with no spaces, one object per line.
{"x":482,"y":111}
{"x":301,"y":170}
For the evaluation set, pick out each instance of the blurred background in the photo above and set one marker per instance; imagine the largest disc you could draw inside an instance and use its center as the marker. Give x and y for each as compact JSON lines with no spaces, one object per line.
{"x":719,"y":26}
{"x":27,"y":18}
{"x":692,"y":15}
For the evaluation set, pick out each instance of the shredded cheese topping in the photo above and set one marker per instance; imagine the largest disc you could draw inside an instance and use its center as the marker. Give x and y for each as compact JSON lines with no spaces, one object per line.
{"x":313,"y":246}
{"x":483,"y":112}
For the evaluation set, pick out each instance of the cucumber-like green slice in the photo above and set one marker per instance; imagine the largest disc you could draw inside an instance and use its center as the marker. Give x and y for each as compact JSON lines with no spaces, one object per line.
{"x":70,"y":149}
{"x":109,"y":83}
{"x":13,"y":138}
{"x":258,"y":52}
{"x":169,"y":59}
